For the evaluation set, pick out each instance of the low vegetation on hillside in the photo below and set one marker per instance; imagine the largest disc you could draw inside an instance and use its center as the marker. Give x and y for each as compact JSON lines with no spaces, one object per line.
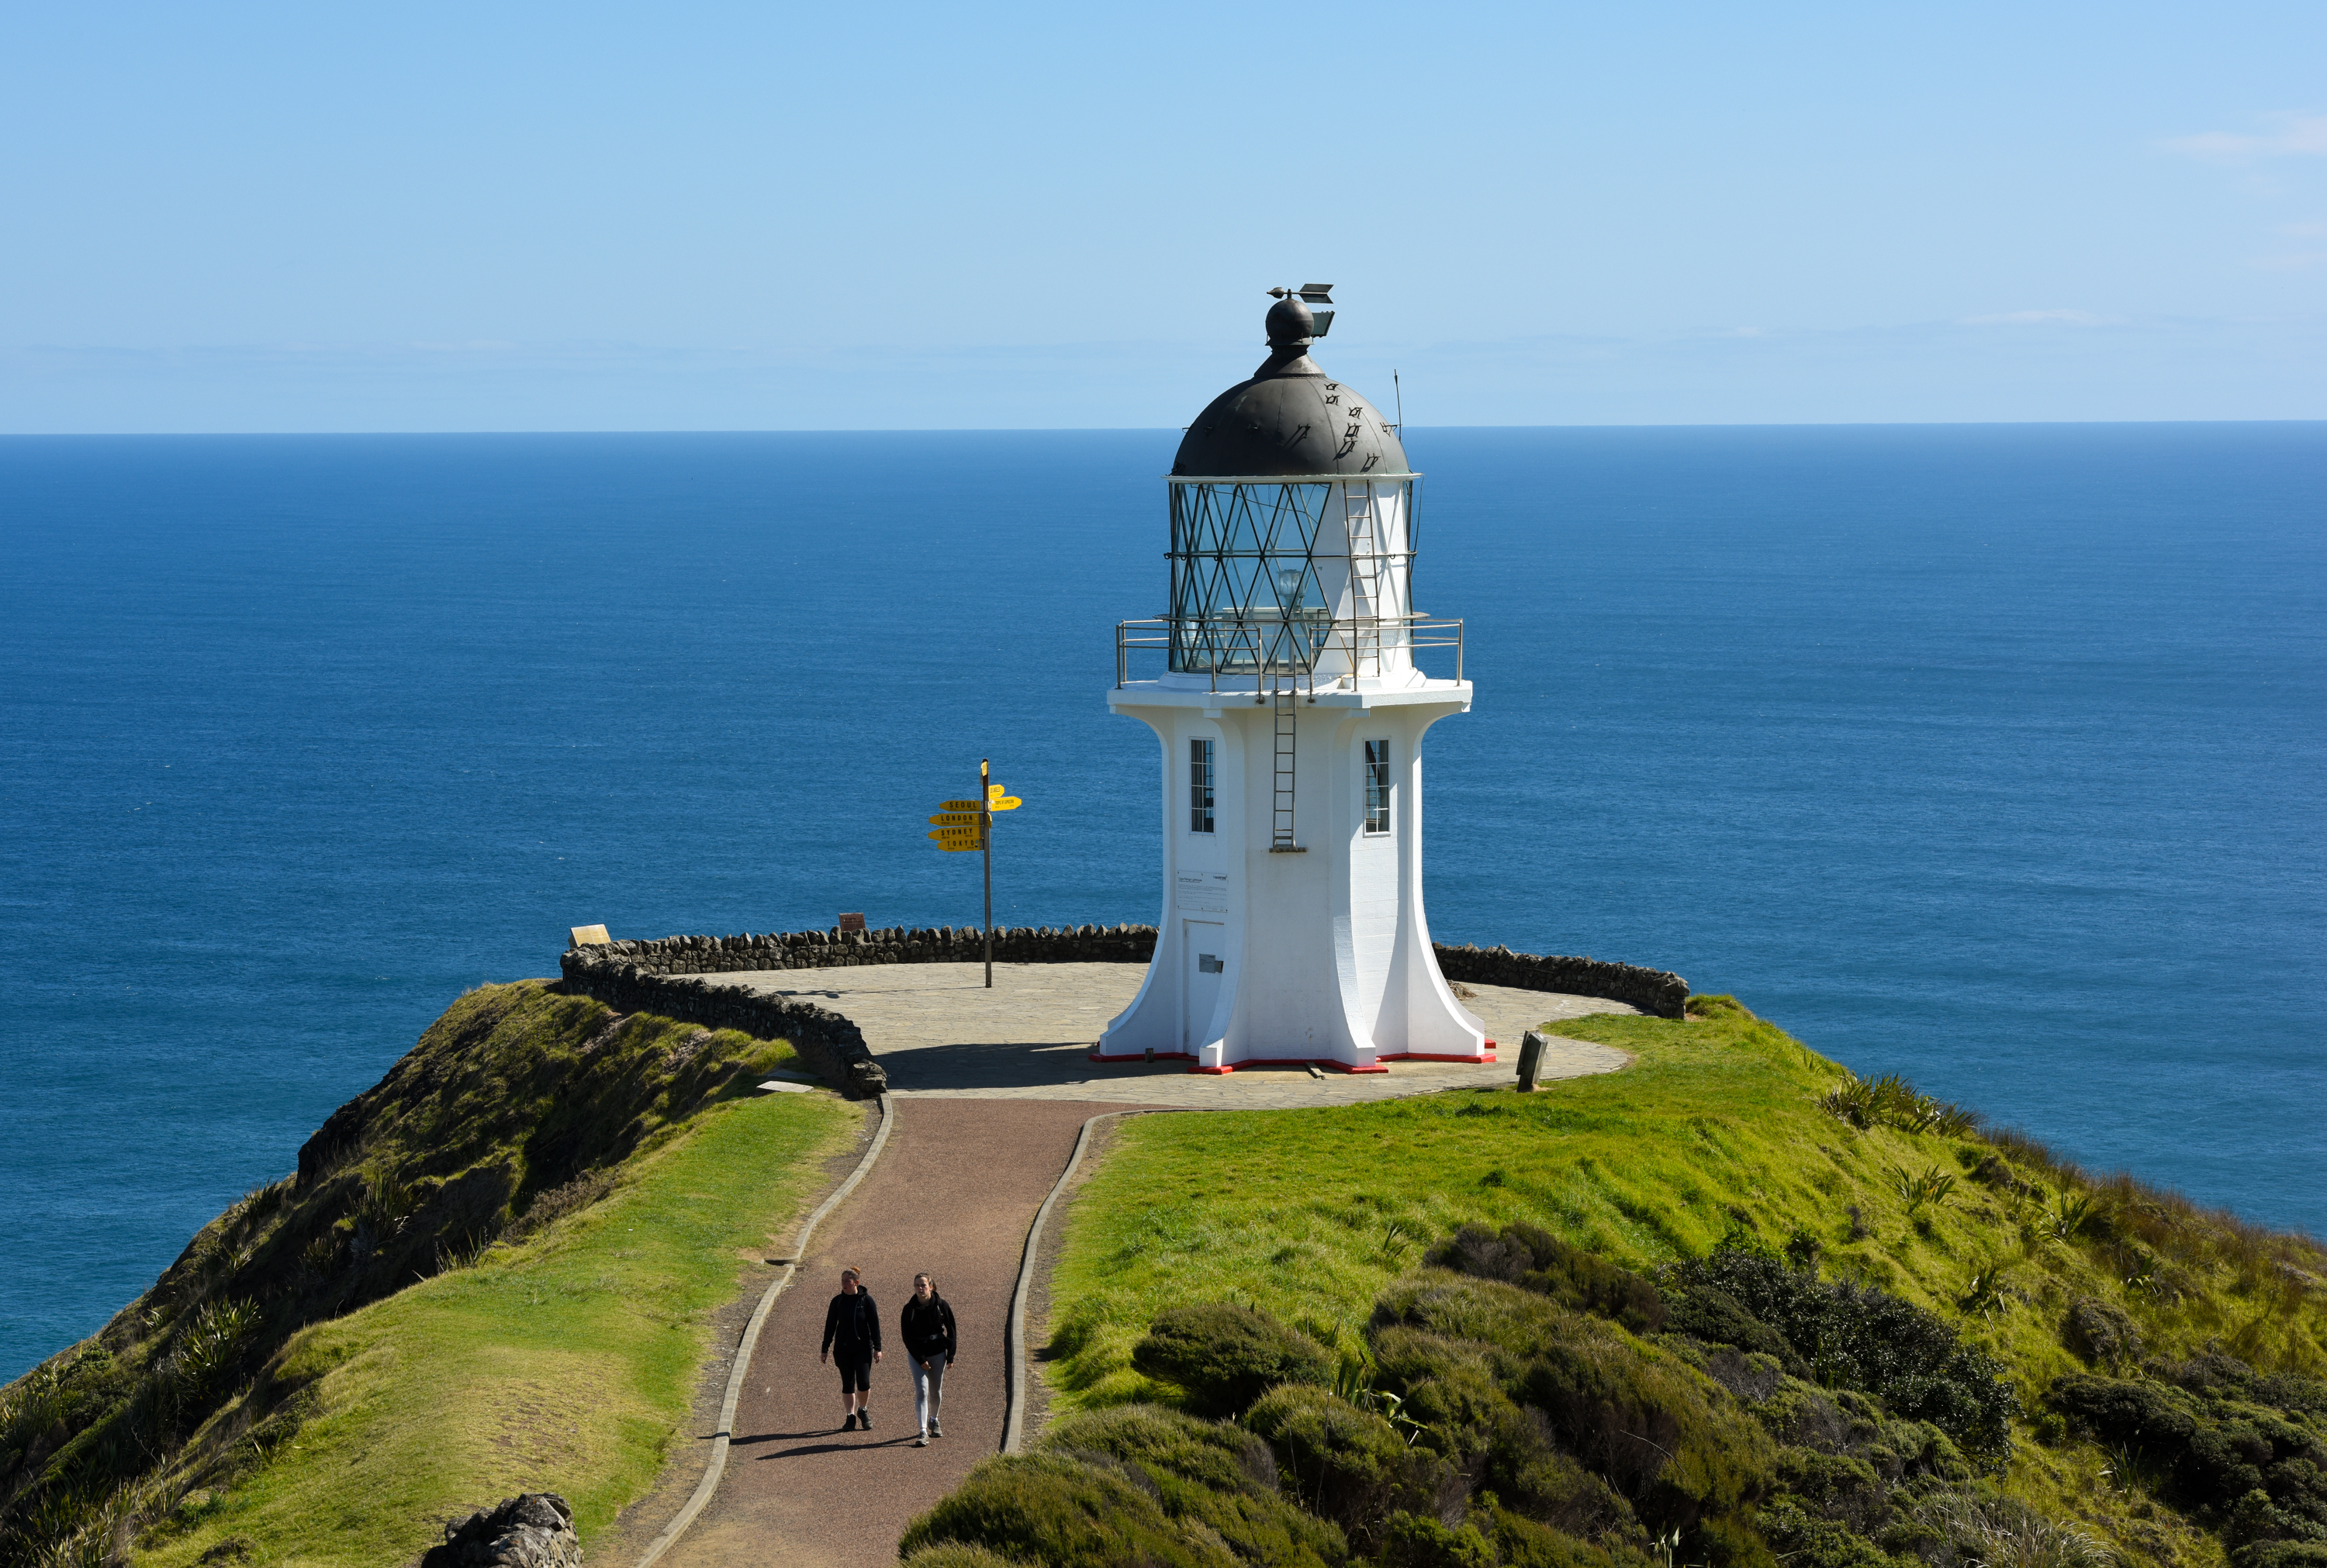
{"x":471,"y":1286}
{"x":1730,"y":1306}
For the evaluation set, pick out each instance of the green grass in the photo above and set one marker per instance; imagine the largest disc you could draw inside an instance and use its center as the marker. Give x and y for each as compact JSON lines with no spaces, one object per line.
{"x":1717,"y":1126}
{"x":565,"y":1363}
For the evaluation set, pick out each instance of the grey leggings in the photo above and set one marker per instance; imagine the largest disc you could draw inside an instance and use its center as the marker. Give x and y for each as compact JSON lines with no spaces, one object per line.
{"x":929,"y":1387}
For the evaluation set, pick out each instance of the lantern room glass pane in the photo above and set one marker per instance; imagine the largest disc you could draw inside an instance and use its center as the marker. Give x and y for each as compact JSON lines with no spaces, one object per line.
{"x":1261,"y":571}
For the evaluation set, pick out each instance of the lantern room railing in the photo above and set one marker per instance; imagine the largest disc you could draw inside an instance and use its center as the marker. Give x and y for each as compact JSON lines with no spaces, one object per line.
{"x":1276,"y":650}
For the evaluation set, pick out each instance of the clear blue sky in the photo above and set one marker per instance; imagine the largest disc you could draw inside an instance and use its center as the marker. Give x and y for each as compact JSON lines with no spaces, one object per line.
{"x":426,"y":217}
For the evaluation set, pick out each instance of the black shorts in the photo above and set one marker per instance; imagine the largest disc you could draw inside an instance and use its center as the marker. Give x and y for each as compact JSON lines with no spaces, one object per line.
{"x":855,"y":1367}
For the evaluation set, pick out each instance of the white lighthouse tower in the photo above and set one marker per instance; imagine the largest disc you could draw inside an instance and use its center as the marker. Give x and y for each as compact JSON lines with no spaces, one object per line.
{"x":1290,"y":711}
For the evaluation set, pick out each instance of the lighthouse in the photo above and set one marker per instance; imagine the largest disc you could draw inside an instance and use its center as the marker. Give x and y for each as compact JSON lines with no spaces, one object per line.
{"x":1285,"y":692}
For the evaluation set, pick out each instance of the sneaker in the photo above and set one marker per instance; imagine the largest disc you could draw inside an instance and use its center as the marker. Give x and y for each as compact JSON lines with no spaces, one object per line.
{"x":864,"y":1419}
{"x":922,"y":1441}
{"x":934,"y":1429}
{"x":848,"y":1423}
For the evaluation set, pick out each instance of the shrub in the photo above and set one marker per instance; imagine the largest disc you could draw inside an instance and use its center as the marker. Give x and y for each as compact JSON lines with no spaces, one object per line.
{"x":203,"y":1366}
{"x":1645,"y":1423}
{"x":1932,"y":1187}
{"x":1554,"y":1489}
{"x":1348,"y":1465}
{"x":2003,"y":1533}
{"x":1663,"y":1435}
{"x":1839,"y":1486}
{"x":954,"y":1554}
{"x":1512,"y":1321}
{"x":2216,"y":1450}
{"x":1448,"y":1385}
{"x":1226,"y":1356}
{"x":1452,"y":1388}
{"x":1803,"y":1539}
{"x":1524,"y":1542}
{"x":1216,"y":1454}
{"x":2100,"y":1333}
{"x":1863,"y":1338}
{"x":2280,"y":1554}
{"x":1708,"y":1312}
{"x":1416,"y":1541}
{"x":1212,"y":1472}
{"x":1062,"y":1513}
{"x":1891,"y":1101}
{"x":1532,"y":1258}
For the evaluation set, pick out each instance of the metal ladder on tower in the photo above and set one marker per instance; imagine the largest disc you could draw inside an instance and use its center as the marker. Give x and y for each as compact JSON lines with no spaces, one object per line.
{"x":1365,"y":580}
{"x":1280,"y":838}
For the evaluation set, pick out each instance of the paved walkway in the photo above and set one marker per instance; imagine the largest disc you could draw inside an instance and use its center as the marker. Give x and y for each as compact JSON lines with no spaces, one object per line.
{"x":953,"y":1194}
{"x":990,"y":1089}
{"x":939,"y":1031}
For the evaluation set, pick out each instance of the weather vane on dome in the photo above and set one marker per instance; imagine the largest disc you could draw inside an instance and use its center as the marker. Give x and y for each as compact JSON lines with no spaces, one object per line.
{"x":1313,"y":295}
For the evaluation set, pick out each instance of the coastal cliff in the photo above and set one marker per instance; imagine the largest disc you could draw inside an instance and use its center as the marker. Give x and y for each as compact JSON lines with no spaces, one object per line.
{"x":380,"y":1296}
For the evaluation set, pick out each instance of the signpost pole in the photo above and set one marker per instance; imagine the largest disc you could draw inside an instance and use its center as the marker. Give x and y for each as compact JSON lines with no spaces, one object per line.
{"x":986,"y":837}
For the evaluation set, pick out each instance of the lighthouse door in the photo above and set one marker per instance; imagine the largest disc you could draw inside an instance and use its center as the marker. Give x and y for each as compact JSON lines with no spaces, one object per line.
{"x":1203,"y":955}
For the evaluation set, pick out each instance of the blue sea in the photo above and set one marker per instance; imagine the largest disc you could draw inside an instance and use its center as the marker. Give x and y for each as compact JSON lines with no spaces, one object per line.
{"x":1994,"y":756}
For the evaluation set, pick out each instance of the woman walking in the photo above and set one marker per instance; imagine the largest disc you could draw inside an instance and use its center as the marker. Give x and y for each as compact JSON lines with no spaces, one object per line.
{"x":926,"y":1325}
{"x":852,"y":1330}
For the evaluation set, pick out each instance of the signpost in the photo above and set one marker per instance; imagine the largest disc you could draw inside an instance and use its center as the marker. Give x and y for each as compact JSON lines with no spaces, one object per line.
{"x":963,"y":826}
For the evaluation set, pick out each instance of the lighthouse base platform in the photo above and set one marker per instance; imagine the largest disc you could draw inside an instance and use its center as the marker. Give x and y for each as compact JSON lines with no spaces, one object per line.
{"x":937,"y":1032}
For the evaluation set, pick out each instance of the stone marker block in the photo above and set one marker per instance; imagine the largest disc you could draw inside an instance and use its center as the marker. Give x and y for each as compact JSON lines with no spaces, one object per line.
{"x":1531,"y":1060}
{"x":588,"y":936}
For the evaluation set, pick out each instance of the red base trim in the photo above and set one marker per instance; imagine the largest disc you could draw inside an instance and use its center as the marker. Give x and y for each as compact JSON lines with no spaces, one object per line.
{"x":1329,"y":1065}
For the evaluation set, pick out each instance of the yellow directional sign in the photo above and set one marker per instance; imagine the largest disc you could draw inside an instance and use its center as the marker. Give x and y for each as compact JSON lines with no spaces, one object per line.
{"x":1005,"y":803}
{"x":955,"y":834}
{"x":956,"y":820}
{"x":960,"y":848}
{"x":959,"y":805}
{"x":993,"y":789}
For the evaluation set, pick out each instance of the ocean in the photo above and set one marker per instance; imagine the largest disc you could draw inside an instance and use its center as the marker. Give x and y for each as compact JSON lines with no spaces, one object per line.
{"x":1995,"y":756}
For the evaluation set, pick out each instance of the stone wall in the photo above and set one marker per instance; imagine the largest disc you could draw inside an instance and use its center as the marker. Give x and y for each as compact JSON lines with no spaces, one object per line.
{"x":889,"y":944}
{"x":1651,"y":991}
{"x":661,"y":977}
{"x":829,"y":1045}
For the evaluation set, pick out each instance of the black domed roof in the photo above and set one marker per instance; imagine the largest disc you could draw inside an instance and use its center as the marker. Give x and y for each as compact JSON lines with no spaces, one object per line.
{"x":1289,"y":420}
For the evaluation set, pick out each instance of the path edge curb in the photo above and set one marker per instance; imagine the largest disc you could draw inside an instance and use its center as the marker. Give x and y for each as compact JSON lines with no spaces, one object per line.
{"x":1013,"y":1424}
{"x":741,"y":1367}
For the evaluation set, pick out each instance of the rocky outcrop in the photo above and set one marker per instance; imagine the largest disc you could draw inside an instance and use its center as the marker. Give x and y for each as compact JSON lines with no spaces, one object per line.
{"x":532,"y":1531}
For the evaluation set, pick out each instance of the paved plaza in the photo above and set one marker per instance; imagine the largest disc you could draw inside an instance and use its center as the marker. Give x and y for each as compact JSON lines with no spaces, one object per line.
{"x":940,"y":1032}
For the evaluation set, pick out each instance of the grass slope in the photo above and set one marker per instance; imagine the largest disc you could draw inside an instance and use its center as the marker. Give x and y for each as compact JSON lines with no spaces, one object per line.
{"x":495,"y":1269}
{"x":1717,"y":1126}
{"x":564,"y":1363}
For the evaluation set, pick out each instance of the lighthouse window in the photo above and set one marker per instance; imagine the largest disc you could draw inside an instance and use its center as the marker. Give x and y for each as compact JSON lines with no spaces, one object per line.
{"x":1199,"y":786}
{"x":1376,"y":786}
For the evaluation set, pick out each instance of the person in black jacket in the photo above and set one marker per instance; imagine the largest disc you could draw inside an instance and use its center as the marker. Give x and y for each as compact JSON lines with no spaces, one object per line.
{"x":852,"y":1331}
{"x":926,"y":1325}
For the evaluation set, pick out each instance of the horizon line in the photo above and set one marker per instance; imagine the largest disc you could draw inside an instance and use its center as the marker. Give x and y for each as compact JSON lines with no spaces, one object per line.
{"x":1105,"y":429}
